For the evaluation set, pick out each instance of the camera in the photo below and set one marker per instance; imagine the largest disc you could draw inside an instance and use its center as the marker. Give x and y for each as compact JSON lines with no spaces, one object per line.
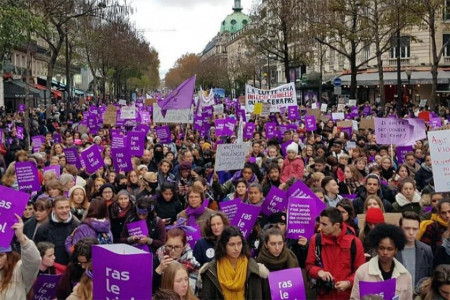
{"x":323,"y":287}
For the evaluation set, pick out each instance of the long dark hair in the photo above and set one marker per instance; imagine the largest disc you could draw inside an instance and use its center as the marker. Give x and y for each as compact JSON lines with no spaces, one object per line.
{"x":348,"y":206}
{"x":8,"y":269}
{"x":98,"y":209}
{"x":227,"y":234}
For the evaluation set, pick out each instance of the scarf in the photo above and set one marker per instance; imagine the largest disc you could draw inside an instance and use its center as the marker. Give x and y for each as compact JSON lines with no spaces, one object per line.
{"x":286,"y":260}
{"x":351,"y":183}
{"x":117,"y":211}
{"x":194,"y":213}
{"x":232,"y":281}
{"x":446,"y":245}
{"x":424,"y":224}
{"x":426,"y":168}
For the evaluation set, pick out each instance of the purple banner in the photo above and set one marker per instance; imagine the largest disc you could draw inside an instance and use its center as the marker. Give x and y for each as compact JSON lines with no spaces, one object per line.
{"x":27,"y":176}
{"x":271,"y":130}
{"x":293,"y":113}
{"x":136,"y":142}
{"x":274,"y":202}
{"x":385,"y":289}
{"x":118,"y":272}
{"x":72,"y":157}
{"x":246,"y":217}
{"x":163,"y":133}
{"x":301,"y":215}
{"x":230,"y":207}
{"x":139,"y":229}
{"x":121,"y":159}
{"x":11,"y":202}
{"x":249,"y":129}
{"x":401,"y":153}
{"x":287,"y":284}
{"x":393,"y":131}
{"x":45,"y":286}
{"x":118,"y":141}
{"x":92,"y":158}
{"x":56,"y":169}
{"x":310,"y":123}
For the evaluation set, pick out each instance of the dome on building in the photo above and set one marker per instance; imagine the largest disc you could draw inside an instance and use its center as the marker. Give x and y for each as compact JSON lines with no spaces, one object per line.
{"x":235,"y":21}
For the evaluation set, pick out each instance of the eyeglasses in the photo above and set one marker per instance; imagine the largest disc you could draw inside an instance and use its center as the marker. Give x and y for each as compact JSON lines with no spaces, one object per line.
{"x":173,"y":248}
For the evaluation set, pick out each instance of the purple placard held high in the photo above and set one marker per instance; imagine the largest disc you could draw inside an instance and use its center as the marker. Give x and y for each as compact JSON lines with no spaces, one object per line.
{"x":198,"y":122}
{"x":139,"y":229}
{"x":145,"y":117}
{"x":228,"y":126}
{"x":12,"y":202}
{"x":394,"y":131}
{"x":56,"y":169}
{"x":249,"y":129}
{"x":287,"y":284}
{"x":349,"y":130}
{"x":435,"y":122}
{"x":230,"y":207}
{"x":219,"y":124}
{"x":275,"y":201}
{"x":293,"y":113}
{"x":301,"y":214}
{"x":72,"y":157}
{"x":310,"y":123}
{"x":37,"y":141}
{"x":163,"y":133}
{"x":92,"y":158}
{"x":193,"y":236}
{"x":19,"y":131}
{"x":27,"y":176}
{"x":118,"y":141}
{"x":121,"y":159}
{"x":301,"y":190}
{"x":402,"y":151}
{"x":117,"y":270}
{"x":246,"y":217}
{"x":136,"y":142}
{"x":45,"y":286}
{"x":385,"y":289}
{"x":271,"y":130}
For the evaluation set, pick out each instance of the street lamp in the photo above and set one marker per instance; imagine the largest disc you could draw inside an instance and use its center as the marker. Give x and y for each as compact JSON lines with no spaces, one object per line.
{"x":408,"y":74}
{"x":399,"y":76}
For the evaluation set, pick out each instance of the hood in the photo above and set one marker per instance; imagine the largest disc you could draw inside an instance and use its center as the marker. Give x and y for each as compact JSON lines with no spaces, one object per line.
{"x":98,"y":225}
{"x":55,"y":220}
{"x":402,"y":201}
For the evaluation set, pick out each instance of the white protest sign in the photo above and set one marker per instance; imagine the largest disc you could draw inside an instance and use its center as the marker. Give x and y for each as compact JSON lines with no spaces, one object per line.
{"x":338,"y":116}
{"x":218,"y":109}
{"x":183,"y":116}
{"x":282,"y":96}
{"x":314,"y":105}
{"x":355,"y":125}
{"x":128,"y":112}
{"x":123,"y":102}
{"x":323,"y":107}
{"x":439,"y":142}
{"x":265,"y":110}
{"x":351,"y":102}
{"x":423,"y":102}
{"x":231,"y":156}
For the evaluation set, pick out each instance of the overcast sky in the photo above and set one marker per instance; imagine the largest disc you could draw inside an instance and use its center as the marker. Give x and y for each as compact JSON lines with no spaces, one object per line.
{"x":195,"y":23}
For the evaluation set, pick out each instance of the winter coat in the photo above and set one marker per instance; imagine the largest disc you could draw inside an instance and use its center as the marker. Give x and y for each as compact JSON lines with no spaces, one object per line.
{"x":402,"y":204}
{"x":229,"y":186}
{"x":204,"y":250}
{"x":371,"y":272}
{"x":168,"y":210}
{"x":24,"y":273}
{"x":30,"y":227}
{"x":253,"y":285}
{"x":424,"y":261}
{"x":88,"y":228}
{"x":117,"y":223}
{"x":201,"y":221}
{"x":336,"y":259}
{"x":423,"y":177}
{"x":358,"y":203}
{"x":292,"y":168}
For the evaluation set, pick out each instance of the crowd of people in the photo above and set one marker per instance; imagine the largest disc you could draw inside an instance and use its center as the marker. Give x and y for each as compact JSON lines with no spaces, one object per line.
{"x":77,"y":210}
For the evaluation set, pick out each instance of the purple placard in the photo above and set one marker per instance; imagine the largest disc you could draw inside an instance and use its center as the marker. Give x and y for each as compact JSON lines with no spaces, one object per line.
{"x":139,"y":229}
{"x":435,"y":122}
{"x":145,"y":117}
{"x":393,"y":131}
{"x":274,"y":202}
{"x":249,"y":129}
{"x":142,"y":128}
{"x":45,"y":286}
{"x":19,"y":131}
{"x":193,"y":236}
{"x":419,"y":131}
{"x":12,"y":202}
{"x":310,"y":123}
{"x":246,"y":217}
{"x":121,"y":159}
{"x":241,"y":115}
{"x":219,"y":124}
{"x":230,"y":207}
{"x":271,"y":130}
{"x":118,"y":272}
{"x":56,"y":169}
{"x":349,"y":130}
{"x":163,"y":133}
{"x":385,"y":289}
{"x":402,"y":151}
{"x":228,"y":126}
{"x":136,"y":142}
{"x":198,"y":122}
{"x":72,"y":157}
{"x":287,"y":284}
{"x":366,"y":110}
{"x":22,"y":107}
{"x":57,"y":138}
{"x":301,"y":215}
{"x":301,"y":190}
{"x":293,"y":113}
{"x":284,"y":147}
{"x":118,"y":141}
{"x":354,"y":110}
{"x":27,"y":176}
{"x":92,"y":158}
{"x":37,"y":141}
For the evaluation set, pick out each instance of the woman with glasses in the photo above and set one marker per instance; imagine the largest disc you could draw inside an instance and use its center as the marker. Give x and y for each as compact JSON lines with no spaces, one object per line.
{"x":106,"y":191}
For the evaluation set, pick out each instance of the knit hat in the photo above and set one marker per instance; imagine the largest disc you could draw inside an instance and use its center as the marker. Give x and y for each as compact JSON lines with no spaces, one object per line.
{"x":184,"y":166}
{"x":84,"y":136}
{"x":72,"y":189}
{"x":293,"y":147}
{"x":206,"y":146}
{"x":106,"y":185}
{"x":278,"y":217}
{"x":374,"y":215}
{"x":5,"y":249}
{"x":97,"y":138}
{"x":150,"y":177}
{"x":140,"y":167}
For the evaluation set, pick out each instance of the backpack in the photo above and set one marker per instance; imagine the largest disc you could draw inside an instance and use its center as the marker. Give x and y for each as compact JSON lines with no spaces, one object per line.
{"x":104,"y":238}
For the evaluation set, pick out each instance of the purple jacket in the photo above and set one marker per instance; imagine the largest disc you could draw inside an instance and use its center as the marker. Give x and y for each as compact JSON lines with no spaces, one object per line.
{"x":88,"y":228}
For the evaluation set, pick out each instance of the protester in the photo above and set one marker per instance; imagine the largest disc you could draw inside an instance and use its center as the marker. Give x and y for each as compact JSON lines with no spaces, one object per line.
{"x":431,"y":231}
{"x":331,"y":188}
{"x":119,"y":211}
{"x":407,"y":199}
{"x":79,"y":202}
{"x":47,"y":252}
{"x":43,"y":209}
{"x":348,"y":213}
{"x":437,"y":286}
{"x":176,"y":278}
{"x":196,"y":213}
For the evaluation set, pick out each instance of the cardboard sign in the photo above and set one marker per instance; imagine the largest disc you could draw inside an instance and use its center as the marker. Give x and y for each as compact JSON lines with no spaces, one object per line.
{"x":344,"y":124}
{"x":27,"y":177}
{"x":231,"y":156}
{"x":287,"y":284}
{"x":149,"y":102}
{"x":367,"y":124}
{"x":117,"y":270}
{"x":109,"y":117}
{"x":439,"y":143}
{"x":11,"y":202}
{"x":314,"y":112}
{"x":45,"y":286}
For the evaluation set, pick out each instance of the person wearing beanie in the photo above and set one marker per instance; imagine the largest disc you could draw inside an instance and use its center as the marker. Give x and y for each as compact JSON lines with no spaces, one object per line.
{"x":374,"y":216}
{"x":293,"y":165}
{"x":206,"y":146}
{"x":119,"y":211}
{"x":107,"y":192}
{"x":79,"y":202}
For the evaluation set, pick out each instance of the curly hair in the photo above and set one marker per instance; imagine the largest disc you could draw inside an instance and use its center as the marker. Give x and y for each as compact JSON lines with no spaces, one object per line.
{"x":382,"y":231}
{"x":227,"y":234}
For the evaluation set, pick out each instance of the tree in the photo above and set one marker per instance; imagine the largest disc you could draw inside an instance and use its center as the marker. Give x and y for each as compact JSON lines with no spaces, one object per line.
{"x":213,"y":72}
{"x":186,"y":66}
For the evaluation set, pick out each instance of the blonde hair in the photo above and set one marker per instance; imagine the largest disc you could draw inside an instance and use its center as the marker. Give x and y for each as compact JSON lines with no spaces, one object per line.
{"x":376,"y":198}
{"x":168,"y":279}
{"x":10,"y":175}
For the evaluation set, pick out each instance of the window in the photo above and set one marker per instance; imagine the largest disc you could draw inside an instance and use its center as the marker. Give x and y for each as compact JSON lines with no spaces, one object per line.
{"x":233,"y":22}
{"x":366,"y":52}
{"x":404,"y":50}
{"x":446,"y":40}
{"x":446,"y":13}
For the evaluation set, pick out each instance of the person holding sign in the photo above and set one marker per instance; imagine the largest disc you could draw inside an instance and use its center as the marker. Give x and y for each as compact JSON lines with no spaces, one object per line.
{"x":17,"y":273}
{"x":387,"y":240}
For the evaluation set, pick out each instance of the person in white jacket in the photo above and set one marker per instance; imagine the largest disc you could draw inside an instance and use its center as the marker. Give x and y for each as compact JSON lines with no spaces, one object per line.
{"x":17,"y":273}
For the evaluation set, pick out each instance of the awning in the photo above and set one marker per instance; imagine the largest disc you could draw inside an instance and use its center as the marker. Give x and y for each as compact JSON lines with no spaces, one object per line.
{"x":17,"y":89}
{"x":391,"y":78}
{"x":55,"y":93}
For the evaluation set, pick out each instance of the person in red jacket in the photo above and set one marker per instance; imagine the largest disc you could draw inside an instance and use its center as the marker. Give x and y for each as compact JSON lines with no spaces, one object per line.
{"x":334,"y":262}
{"x":293,"y":165}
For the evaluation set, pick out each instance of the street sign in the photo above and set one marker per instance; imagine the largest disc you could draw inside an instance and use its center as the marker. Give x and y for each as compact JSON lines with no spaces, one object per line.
{"x":337,"y":90}
{"x":337,"y":82}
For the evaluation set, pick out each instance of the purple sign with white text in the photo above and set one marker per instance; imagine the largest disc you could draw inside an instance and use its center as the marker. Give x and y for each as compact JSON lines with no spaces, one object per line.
{"x":293,"y":113}
{"x":11,"y":202}
{"x":402,"y":151}
{"x":246,"y":217}
{"x":92,"y":158}
{"x":56,"y":169}
{"x":27,"y":176}
{"x":72,"y":157}
{"x":139,"y":229}
{"x":310,"y":123}
{"x":249,"y":129}
{"x":136,"y":142}
{"x":271,"y":130}
{"x":274,"y":202}
{"x":230,"y":207}
{"x":287,"y":284}
{"x":121,"y":159}
{"x":45,"y":286}
{"x":385,"y":289}
{"x":163,"y":133}
{"x":301,"y":214}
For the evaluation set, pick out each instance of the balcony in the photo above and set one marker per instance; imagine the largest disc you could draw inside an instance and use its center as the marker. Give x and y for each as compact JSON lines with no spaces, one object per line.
{"x":404,"y":61}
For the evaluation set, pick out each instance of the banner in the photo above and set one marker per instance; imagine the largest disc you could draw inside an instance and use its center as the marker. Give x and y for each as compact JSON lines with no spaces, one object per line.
{"x":393,"y":131}
{"x":385,"y":289}
{"x":27,"y":177}
{"x":117,"y":270}
{"x":231,"y":156}
{"x":92,"y":158}
{"x":287,"y":284}
{"x":282,"y":96}
{"x":11,"y":202}
{"x":301,"y":215}
{"x":275,"y":201}
{"x":45,"y":287}
{"x":245,"y":218}
{"x":439,"y":143}
{"x":183,"y":116}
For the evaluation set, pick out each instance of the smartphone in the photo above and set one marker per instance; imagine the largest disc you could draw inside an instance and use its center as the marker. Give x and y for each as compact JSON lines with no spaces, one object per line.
{"x":166,"y":252}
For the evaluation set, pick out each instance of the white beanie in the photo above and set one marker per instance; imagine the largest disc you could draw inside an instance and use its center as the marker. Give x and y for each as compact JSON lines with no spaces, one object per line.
{"x":76,"y":187}
{"x":293,"y":147}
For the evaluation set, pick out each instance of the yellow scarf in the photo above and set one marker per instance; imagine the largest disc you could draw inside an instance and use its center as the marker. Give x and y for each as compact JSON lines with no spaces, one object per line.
{"x":232,"y":281}
{"x":424,"y":224}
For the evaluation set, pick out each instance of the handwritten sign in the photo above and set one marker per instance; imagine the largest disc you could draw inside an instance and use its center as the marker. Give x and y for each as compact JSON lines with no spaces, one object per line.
{"x":231,"y":156}
{"x":128,"y":112}
{"x":439,"y":142}
{"x":183,"y":116}
{"x":393,"y":131}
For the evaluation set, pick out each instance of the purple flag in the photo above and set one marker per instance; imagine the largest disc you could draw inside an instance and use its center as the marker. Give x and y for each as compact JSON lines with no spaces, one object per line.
{"x":180,"y":98}
{"x":136,"y":142}
{"x":301,"y":215}
{"x":72,"y":157}
{"x":310,"y":123}
{"x":139,"y":229}
{"x":45,"y":286}
{"x":293,"y":113}
{"x":121,"y":159}
{"x":230,"y":207}
{"x":117,"y":270}
{"x":11,"y":202}
{"x":249,"y":129}
{"x":163,"y":133}
{"x":92,"y":158}
{"x":271,"y":130}
{"x":402,"y":151}
{"x":274,"y":202}
{"x":246,"y":217}
{"x":56,"y":169}
{"x":287,"y":284}
{"x":27,"y":176}
{"x":385,"y":289}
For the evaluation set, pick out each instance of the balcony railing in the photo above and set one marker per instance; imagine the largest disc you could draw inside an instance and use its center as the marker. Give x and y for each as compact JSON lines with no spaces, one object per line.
{"x":403,"y":61}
